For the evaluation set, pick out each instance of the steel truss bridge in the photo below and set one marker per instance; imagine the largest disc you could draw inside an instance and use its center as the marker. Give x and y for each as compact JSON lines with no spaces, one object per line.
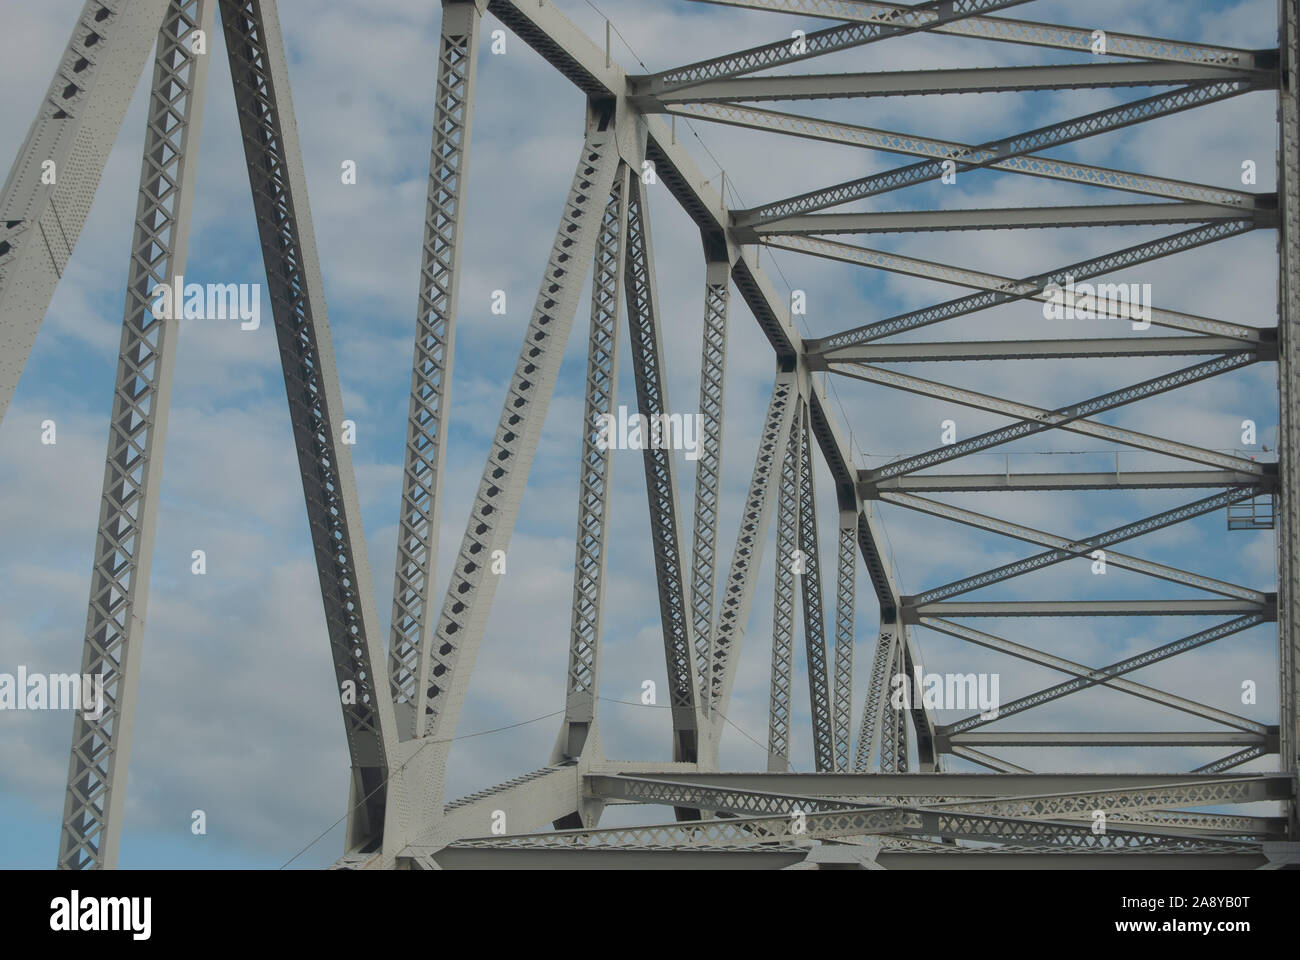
{"x":888,"y":801}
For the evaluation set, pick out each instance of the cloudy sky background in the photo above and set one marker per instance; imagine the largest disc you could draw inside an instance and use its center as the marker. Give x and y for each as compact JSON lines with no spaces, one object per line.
{"x":237,"y":713}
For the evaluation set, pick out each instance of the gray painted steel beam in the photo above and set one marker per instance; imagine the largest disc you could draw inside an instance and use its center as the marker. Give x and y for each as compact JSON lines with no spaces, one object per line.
{"x":738,"y":591}
{"x":128,"y":514}
{"x":1082,"y":608}
{"x":259,"y":68}
{"x":1085,"y":677}
{"x":1072,"y":418}
{"x":1030,"y":535}
{"x":1066,"y":549}
{"x":1029,"y":164}
{"x":820,"y":702}
{"x":845,"y":595}
{"x":871,"y":726}
{"x":43,"y":208}
{"x":1028,"y":32}
{"x":708,"y":468}
{"x":582,"y":683}
{"x":496,"y":505}
{"x":1035,"y":287}
{"x":1174,"y":788}
{"x":1072,"y":349}
{"x":1116,"y":480}
{"x":922,"y":16}
{"x":1068,"y":76}
{"x":1012,"y":218}
{"x":779,"y":705}
{"x":1068,"y":131}
{"x":1074,"y":738}
{"x":425,"y":452}
{"x":651,"y":375}
{"x":1288,"y":536}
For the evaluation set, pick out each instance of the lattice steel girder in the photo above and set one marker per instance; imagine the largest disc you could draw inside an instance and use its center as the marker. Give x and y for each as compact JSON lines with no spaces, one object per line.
{"x":569,"y":50}
{"x":1067,"y":131}
{"x":1090,"y":678}
{"x":846,"y":570}
{"x":686,"y":794}
{"x":128,"y":514}
{"x":592,"y":538}
{"x":1038,"y":350}
{"x":901,"y":83}
{"x":431,"y":373}
{"x":720,"y":832}
{"x":1069,"y":548}
{"x":651,"y":377}
{"x":279,"y":186}
{"x":43,"y":208}
{"x":1140,"y":809}
{"x":496,"y":505}
{"x":738,"y":592}
{"x":836,"y":453}
{"x":1107,"y":302}
{"x":908,"y":144}
{"x":1085,"y":608}
{"x":814,"y":620}
{"x":708,"y":468}
{"x":1288,"y":537}
{"x":1139,"y":479}
{"x":922,"y":16}
{"x":1030,"y":535}
{"x":1024,"y":32}
{"x":755,"y":857}
{"x":781,"y":856}
{"x":1204,"y":824}
{"x":1038,"y":419}
{"x":1017,"y":792}
{"x":1038,"y":858}
{"x":1074,"y":738}
{"x":1233,"y":760}
{"x":1010,"y":218}
{"x":869,"y":729}
{"x":859,"y":822}
{"x":893,"y":721}
{"x":785,"y":563}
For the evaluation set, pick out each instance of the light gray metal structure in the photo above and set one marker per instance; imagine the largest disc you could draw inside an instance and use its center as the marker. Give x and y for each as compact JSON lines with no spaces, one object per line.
{"x":902,"y":805}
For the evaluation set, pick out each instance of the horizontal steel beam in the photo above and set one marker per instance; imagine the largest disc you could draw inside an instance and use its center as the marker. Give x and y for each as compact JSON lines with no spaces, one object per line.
{"x":917,"y":17}
{"x":912,"y":613}
{"x":1246,"y":788}
{"x":1081,"y":549}
{"x":1073,"y":418}
{"x":913,"y":856}
{"x":1069,"y":76}
{"x":1005,"y":290}
{"x":1062,"y":738}
{"x":1032,"y":33}
{"x":1109,"y":675}
{"x":1007,"y":218}
{"x":1111,"y":480}
{"x":1038,"y":350}
{"x":1004,"y":858}
{"x":1029,"y":164}
{"x":1068,"y":131}
{"x":1086,"y":677}
{"x":1139,"y":807}
{"x":1111,"y":301}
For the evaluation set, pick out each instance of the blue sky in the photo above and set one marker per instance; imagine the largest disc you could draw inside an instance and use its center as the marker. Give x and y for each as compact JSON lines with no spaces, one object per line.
{"x":237,"y":713}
